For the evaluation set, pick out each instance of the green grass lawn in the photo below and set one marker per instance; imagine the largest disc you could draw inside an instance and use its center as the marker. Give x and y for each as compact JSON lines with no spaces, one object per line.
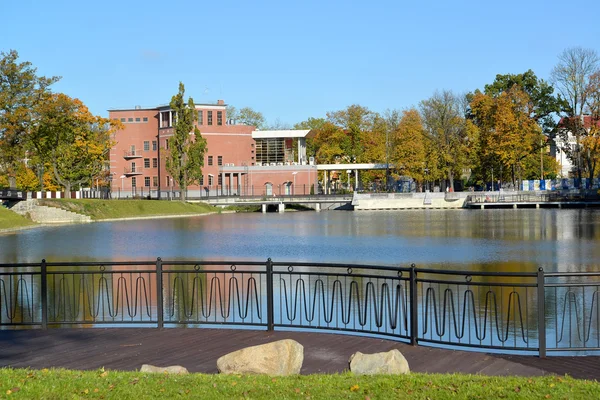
{"x":107,"y":209}
{"x":100,"y":384}
{"x":11,"y":220}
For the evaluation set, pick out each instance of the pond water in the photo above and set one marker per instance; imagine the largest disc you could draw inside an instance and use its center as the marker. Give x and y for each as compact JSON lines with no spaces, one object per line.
{"x":557,"y":240}
{"x":491,"y":311}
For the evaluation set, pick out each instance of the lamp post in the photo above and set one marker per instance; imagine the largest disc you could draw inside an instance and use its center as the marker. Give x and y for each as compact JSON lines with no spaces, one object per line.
{"x":387,"y":163}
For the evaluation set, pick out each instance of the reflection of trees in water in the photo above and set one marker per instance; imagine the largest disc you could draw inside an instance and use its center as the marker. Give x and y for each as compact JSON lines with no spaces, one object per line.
{"x":19,"y":302}
{"x":105,"y":296}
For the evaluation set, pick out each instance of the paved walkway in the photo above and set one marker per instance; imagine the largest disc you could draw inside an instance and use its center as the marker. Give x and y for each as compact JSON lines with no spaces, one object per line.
{"x":199,"y":349}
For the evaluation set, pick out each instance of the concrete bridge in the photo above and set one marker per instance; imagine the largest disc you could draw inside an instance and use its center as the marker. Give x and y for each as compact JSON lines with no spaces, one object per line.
{"x":318,"y":202}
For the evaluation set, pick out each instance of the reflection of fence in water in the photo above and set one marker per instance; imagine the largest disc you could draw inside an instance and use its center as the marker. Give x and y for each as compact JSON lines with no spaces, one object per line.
{"x":506,"y":311}
{"x":19,"y":299}
{"x":319,"y":296}
{"x":573,"y":302}
{"x":101,"y":296}
{"x":489,"y":312}
{"x":214,"y":294}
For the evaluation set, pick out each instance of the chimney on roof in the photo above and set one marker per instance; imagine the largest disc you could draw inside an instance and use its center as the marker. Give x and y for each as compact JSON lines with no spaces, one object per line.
{"x":220,"y":102}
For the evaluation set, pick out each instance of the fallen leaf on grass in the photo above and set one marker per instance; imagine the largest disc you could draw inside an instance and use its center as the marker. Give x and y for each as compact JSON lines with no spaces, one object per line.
{"x":354,"y":388}
{"x":517,"y":389}
{"x":104,"y":374}
{"x":133,"y":382}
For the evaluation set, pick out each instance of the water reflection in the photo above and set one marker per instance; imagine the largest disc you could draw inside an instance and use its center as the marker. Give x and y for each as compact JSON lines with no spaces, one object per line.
{"x":557,"y":240}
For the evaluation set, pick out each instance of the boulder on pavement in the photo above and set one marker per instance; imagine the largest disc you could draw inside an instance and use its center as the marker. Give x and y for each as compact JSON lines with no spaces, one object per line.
{"x":283,"y":357}
{"x":391,"y":362}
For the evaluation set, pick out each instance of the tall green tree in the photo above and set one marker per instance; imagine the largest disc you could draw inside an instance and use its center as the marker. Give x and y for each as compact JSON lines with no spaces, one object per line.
{"x":357,"y":121}
{"x":21,"y":93}
{"x":185,"y":156}
{"x":314,"y":124}
{"x":447,"y":131}
{"x":247,"y":116}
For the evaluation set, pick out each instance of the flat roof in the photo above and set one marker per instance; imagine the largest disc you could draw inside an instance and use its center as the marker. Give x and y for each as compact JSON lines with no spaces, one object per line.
{"x":284,"y":133}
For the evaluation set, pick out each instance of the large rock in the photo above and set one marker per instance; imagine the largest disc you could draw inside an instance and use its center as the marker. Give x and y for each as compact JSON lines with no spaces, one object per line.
{"x":174,"y":369}
{"x":283,"y":357}
{"x":391,"y":362}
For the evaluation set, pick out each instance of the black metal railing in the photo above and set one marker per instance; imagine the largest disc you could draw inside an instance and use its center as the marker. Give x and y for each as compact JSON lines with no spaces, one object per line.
{"x":505,"y":311}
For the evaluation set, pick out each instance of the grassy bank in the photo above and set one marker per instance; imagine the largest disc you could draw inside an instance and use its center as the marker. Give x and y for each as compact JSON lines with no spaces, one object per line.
{"x":100,"y":384}
{"x":108,"y":209}
{"x":12,"y":220}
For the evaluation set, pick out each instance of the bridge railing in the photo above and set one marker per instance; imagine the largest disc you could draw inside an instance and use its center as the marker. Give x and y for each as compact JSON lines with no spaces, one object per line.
{"x":506,"y":312}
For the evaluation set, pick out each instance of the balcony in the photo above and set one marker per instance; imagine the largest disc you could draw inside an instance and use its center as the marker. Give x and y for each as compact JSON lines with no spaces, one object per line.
{"x":129,"y":155}
{"x":133,"y":171}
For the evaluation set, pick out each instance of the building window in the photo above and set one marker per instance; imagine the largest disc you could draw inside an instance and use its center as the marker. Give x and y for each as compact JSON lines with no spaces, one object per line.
{"x":132,"y":167}
{"x":133,"y":182}
{"x":145,"y":119}
{"x":220,"y":179}
{"x":129,"y":119}
{"x":146,"y":163}
{"x":201,"y":180}
{"x":210,"y":160}
{"x":219,"y":117}
{"x":137,"y":120}
{"x":146,"y":145}
{"x":200,"y":117}
{"x":154,"y":145}
{"x":155,"y":163}
{"x":155,"y":181}
{"x":209,"y":118}
{"x":147,"y":181}
{"x":123,"y":119}
{"x":167,"y":144}
{"x":219,"y":160}
{"x":210,"y":180}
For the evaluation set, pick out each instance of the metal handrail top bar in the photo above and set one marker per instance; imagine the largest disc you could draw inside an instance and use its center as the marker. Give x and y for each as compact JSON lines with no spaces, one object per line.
{"x":216,"y":271}
{"x":206,"y":262}
{"x":99,"y":263}
{"x":353,"y":275}
{"x":478,"y":283}
{"x":483,"y":273}
{"x":99,"y":272}
{"x":564,"y":274}
{"x":19,"y":265}
{"x":337,"y":265}
{"x":574,"y":284}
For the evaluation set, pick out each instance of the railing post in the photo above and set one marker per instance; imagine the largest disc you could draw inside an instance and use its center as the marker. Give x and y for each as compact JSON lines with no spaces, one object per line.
{"x":414,"y":307}
{"x":44,"y":295}
{"x":270,"y":316}
{"x":541,"y":297}
{"x":159,"y":294}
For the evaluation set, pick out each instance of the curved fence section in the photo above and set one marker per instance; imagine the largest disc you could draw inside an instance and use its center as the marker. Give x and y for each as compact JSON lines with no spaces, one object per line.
{"x":507,"y":312}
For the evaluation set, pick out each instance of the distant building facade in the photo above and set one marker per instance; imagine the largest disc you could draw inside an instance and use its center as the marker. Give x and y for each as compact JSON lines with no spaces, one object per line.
{"x":239,"y":160}
{"x":568,"y":168}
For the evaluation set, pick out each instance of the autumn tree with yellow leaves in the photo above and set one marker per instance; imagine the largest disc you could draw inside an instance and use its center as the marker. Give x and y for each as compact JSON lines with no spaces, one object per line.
{"x":73,"y":141}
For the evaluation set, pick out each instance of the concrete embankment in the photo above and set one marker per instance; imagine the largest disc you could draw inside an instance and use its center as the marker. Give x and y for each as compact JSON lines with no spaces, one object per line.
{"x":408,"y":201}
{"x":48,"y":215}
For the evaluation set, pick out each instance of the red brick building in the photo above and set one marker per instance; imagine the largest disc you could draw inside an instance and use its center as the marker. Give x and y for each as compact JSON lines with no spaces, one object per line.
{"x":238,"y":161}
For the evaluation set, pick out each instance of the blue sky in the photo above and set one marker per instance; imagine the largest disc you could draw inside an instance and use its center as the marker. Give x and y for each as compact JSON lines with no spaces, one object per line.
{"x":289,"y":59}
